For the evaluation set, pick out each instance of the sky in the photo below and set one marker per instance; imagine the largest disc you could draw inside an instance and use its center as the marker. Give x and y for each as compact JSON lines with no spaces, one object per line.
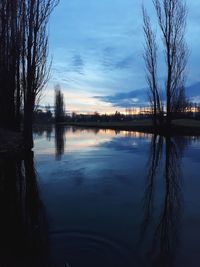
{"x":96,"y":48}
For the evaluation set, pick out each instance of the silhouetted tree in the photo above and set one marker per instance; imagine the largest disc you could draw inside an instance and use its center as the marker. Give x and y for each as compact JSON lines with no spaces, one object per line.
{"x":10,"y":42}
{"x":59,"y":105}
{"x":150,"y":58}
{"x":171,"y":16}
{"x":23,"y":60}
{"x":172,"y":21}
{"x":35,"y":71}
{"x":180,"y":103}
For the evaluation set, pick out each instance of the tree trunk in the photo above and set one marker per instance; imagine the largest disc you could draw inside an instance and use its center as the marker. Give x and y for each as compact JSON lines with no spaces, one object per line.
{"x":28,"y":125}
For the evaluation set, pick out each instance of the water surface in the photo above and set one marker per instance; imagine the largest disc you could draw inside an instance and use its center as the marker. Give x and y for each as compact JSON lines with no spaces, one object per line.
{"x":106,"y":198}
{"x":117,"y":198}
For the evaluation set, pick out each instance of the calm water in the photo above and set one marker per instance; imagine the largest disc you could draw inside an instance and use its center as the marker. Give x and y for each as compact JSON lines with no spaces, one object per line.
{"x":104,"y":198}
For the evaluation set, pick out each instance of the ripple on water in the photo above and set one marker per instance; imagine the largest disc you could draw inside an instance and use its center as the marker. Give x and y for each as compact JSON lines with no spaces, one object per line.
{"x":90,"y":250}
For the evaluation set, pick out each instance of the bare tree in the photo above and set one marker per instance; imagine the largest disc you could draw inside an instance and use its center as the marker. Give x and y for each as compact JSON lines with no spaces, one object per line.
{"x":150,"y":58}
{"x":23,"y":60}
{"x":171,"y":16}
{"x":180,"y":103}
{"x":35,"y":70}
{"x":9,"y":61}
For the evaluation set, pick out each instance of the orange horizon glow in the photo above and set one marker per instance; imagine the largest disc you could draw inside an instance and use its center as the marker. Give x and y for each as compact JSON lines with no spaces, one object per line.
{"x":85,"y":103}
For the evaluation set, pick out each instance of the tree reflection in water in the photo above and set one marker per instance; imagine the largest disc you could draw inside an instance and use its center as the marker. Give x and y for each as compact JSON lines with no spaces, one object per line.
{"x":165,"y":159}
{"x":156,"y":148}
{"x":23,"y":229}
{"x":59,"y":141}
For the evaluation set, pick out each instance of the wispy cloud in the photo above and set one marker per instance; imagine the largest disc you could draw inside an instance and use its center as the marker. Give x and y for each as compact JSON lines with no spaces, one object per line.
{"x":77,"y":64}
{"x":97,"y":49}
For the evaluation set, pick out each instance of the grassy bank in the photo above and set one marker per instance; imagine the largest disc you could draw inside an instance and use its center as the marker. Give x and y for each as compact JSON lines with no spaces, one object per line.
{"x":182,"y":126}
{"x":187,"y":126}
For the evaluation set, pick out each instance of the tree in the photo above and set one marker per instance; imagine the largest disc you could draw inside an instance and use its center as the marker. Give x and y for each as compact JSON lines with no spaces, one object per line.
{"x":171,"y":15}
{"x":180,"y":103}
{"x":35,"y":71}
{"x":23,"y":60}
{"x":10,"y":42}
{"x":150,"y":58}
{"x":59,"y":104}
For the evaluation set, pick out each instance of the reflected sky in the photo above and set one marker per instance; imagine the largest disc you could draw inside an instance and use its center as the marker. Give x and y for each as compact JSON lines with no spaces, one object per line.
{"x":80,"y":139}
{"x":100,"y":189}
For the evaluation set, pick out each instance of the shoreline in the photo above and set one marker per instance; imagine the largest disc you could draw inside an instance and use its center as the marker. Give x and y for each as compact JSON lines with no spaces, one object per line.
{"x":11,"y":143}
{"x":179,"y":127}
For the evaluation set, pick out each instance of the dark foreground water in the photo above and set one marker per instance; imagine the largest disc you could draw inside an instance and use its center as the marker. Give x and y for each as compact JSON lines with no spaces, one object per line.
{"x":96,"y":198}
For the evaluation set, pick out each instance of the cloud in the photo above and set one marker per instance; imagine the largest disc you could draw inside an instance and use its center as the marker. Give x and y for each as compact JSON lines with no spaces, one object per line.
{"x":139,"y":97}
{"x":84,"y":101}
{"x":193,"y":90}
{"x":134,"y":98}
{"x":97,"y":49}
{"x":115,"y":60}
{"x":125,"y":63}
{"x":77,"y":64}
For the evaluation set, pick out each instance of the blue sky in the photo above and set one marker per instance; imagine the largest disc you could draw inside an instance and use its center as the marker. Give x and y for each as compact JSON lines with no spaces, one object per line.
{"x":97,"y":51}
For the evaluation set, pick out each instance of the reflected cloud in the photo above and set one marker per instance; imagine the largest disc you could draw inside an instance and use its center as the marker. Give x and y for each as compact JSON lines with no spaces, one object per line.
{"x":85,"y":139}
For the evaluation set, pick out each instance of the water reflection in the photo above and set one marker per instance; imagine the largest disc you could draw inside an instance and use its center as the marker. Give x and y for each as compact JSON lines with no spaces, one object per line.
{"x":46,"y":131}
{"x":23,"y":229}
{"x":59,"y":141}
{"x":79,"y":139}
{"x":165,"y":157}
{"x":93,"y":197}
{"x":155,"y":155}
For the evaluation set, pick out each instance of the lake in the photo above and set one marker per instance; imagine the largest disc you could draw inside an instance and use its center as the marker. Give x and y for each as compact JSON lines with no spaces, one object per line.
{"x":91,"y":197}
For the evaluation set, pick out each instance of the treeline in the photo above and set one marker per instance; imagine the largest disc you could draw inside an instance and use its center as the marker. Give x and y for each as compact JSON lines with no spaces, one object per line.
{"x":96,"y":117}
{"x":23,"y":61}
{"x":59,"y":114}
{"x":191,"y":111}
{"x":43,"y":116}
